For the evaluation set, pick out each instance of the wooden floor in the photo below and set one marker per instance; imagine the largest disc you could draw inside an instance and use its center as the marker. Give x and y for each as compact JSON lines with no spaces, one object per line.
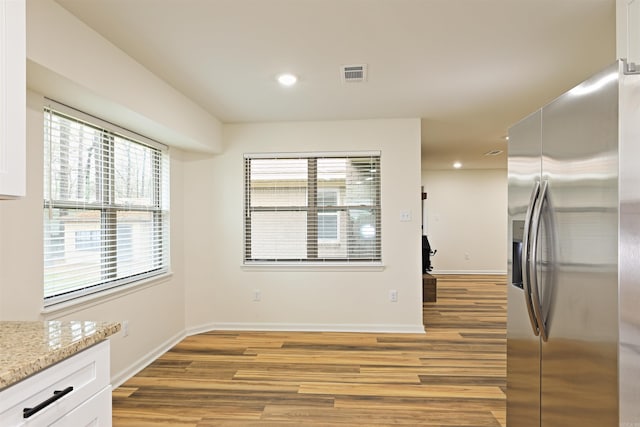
{"x":452,"y":376}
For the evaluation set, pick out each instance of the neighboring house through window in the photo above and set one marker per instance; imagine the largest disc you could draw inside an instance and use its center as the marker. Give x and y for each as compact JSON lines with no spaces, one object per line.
{"x":88,"y":240}
{"x":305,"y":208}
{"x":328,"y":222}
{"x":106,"y":199}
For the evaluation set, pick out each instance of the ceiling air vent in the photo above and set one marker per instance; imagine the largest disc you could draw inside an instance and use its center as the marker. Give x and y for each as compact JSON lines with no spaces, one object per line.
{"x":493,"y":153}
{"x":354,"y":73}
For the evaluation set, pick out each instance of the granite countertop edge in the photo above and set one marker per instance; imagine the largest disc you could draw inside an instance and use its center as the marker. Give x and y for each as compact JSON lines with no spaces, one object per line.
{"x":32,"y":354}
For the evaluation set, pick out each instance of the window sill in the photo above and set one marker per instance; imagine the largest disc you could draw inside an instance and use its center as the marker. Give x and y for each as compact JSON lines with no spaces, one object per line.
{"x":81,"y":303}
{"x":327,"y":266}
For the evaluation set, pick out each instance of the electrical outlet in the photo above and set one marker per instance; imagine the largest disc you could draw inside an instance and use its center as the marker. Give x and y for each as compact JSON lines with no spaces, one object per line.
{"x":125,"y":328}
{"x":405,"y":216}
{"x":393,"y":295}
{"x":257,"y":295}
{"x":467,"y":257}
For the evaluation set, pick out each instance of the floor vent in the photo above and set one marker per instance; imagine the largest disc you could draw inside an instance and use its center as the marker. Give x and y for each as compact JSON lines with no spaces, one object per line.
{"x":354,"y":73}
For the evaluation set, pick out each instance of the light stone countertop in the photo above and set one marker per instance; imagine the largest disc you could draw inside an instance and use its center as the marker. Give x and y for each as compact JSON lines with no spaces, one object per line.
{"x":29,"y":347}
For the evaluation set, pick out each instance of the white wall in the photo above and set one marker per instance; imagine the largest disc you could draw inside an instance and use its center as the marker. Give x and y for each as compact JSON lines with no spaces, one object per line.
{"x":466,"y":214}
{"x":155,"y":312}
{"x":219,"y":291}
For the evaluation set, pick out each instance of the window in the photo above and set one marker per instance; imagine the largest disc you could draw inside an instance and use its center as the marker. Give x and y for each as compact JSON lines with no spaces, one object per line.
{"x":106,"y":216}
{"x":312,"y":208}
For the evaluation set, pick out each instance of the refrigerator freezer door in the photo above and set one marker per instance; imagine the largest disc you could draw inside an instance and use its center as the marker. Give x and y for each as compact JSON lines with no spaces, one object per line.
{"x":579,"y":283}
{"x":523,"y":346}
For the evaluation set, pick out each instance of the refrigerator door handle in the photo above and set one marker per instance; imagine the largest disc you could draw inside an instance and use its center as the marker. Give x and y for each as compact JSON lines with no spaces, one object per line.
{"x":526,"y":258}
{"x":533,"y":265}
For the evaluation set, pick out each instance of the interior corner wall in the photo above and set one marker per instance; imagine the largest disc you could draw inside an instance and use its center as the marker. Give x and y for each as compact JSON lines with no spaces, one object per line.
{"x":465,"y":217}
{"x":73,"y":64}
{"x":219,"y":291}
{"x":155,"y":312}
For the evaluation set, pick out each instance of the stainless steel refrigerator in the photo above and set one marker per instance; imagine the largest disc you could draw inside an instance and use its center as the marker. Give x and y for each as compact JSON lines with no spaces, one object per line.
{"x":573,"y":323}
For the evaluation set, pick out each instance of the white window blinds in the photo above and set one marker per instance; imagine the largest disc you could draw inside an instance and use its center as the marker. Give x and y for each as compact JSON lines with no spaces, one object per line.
{"x":106,"y":206}
{"x":312,"y":208}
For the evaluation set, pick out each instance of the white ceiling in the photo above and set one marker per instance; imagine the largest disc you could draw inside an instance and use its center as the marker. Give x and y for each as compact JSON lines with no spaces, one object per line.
{"x":467,"y":68}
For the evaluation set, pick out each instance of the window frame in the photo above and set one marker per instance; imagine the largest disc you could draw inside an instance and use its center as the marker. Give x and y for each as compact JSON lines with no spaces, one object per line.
{"x":158,"y":209}
{"x":313,"y":209}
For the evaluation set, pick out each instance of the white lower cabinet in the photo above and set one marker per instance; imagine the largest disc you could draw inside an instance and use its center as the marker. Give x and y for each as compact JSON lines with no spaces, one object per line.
{"x":74,"y":392}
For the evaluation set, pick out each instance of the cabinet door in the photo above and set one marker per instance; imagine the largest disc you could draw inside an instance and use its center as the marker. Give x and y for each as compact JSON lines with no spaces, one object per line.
{"x":12,"y":99}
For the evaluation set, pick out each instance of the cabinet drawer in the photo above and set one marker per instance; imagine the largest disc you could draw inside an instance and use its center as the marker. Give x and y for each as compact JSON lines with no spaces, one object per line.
{"x":87,"y":372}
{"x":95,"y":412}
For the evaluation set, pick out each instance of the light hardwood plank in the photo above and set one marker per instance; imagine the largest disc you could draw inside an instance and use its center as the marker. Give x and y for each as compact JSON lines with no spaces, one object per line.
{"x":454,"y":375}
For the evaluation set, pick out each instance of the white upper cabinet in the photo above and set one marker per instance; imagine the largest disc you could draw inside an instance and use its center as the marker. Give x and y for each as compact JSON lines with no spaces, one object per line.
{"x":628,"y":30}
{"x":12,"y":99}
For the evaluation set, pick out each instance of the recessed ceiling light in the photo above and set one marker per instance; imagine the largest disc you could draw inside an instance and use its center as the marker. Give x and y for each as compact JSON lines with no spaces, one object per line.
{"x":457,"y":165}
{"x":287,"y":79}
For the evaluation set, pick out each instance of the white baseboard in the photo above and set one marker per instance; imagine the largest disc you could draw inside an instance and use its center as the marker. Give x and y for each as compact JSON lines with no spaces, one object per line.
{"x":488,"y":272}
{"x":301,"y":327}
{"x":118,"y":379}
